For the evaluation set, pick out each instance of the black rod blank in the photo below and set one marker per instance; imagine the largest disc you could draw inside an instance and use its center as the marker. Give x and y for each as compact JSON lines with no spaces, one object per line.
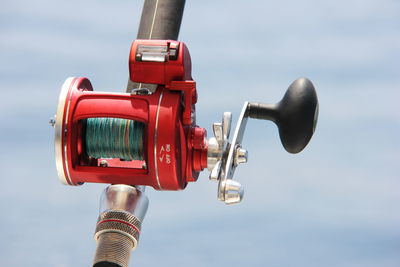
{"x":161,"y":19}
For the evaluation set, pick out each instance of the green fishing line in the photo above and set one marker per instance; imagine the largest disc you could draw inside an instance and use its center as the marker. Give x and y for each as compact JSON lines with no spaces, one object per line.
{"x":114,"y":138}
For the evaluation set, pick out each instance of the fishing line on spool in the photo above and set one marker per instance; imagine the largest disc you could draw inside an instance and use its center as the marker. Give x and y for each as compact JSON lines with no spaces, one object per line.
{"x":114,"y":138}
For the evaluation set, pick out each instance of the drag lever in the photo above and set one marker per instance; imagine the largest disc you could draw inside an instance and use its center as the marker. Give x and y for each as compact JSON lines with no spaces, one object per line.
{"x":296,"y":117}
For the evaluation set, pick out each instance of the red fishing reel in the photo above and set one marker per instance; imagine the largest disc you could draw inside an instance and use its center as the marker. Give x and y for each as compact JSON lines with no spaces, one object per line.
{"x":149,"y":136}
{"x":138,"y":138}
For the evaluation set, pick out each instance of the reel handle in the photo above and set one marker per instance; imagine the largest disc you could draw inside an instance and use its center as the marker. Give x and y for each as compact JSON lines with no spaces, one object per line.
{"x":295,"y":115}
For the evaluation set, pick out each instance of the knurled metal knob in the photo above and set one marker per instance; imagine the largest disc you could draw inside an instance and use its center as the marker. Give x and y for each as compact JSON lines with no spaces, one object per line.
{"x":117,"y":234}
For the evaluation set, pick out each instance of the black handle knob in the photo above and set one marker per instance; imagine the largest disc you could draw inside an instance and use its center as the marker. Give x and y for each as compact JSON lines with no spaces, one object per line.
{"x":295,"y":115}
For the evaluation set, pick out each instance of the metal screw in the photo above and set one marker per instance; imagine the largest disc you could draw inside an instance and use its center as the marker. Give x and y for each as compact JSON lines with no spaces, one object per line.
{"x":103,"y":163}
{"x":240,"y":156}
{"x":52,"y":121}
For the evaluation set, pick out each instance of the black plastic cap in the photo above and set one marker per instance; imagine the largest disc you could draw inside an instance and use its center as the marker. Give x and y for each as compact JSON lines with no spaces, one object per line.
{"x":298,"y":115}
{"x":295,"y":115}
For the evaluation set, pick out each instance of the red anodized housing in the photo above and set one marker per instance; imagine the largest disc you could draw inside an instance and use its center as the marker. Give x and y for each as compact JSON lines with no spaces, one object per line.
{"x":175,"y":149}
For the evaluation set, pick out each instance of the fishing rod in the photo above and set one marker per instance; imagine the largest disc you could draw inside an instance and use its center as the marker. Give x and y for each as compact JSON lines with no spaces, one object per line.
{"x":148,"y":135}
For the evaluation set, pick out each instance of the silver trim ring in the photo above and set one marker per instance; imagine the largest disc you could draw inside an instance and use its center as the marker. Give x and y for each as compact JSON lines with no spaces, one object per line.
{"x":155,"y":140}
{"x":59,"y":132}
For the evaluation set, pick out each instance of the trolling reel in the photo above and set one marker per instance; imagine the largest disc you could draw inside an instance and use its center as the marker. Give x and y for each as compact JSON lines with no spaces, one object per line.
{"x":150,"y":137}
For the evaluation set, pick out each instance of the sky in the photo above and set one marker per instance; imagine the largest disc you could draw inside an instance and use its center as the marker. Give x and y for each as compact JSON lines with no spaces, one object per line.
{"x":335,"y":204}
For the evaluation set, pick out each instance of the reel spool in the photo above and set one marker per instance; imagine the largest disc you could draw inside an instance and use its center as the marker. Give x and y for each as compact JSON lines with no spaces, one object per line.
{"x":149,"y":137}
